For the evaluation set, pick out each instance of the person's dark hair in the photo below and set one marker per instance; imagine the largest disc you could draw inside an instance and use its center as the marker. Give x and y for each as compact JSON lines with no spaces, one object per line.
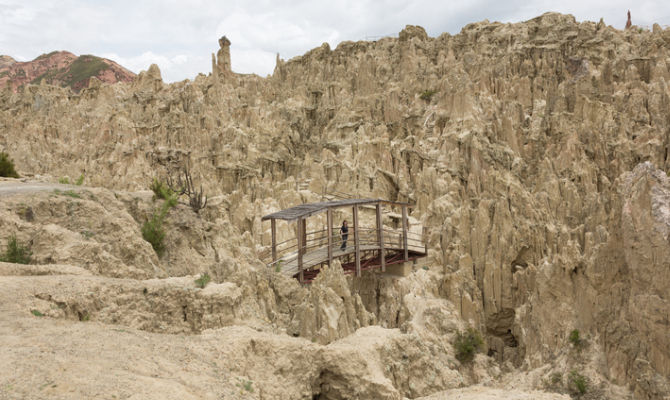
{"x":344,"y":221}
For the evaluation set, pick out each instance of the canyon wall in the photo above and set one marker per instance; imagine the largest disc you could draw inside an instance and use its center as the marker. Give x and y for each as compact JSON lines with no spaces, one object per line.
{"x":535,"y":153}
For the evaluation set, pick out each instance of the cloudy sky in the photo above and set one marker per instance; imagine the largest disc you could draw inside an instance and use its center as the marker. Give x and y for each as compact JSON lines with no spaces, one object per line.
{"x":180,"y":36}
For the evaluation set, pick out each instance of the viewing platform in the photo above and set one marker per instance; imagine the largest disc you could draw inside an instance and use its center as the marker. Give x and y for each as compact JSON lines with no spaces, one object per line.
{"x":367,"y":248}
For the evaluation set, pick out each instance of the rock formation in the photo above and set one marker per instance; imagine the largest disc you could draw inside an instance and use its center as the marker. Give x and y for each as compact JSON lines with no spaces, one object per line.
{"x":6,"y":61}
{"x":61,"y":68}
{"x":536,"y":154}
{"x":221,"y":66}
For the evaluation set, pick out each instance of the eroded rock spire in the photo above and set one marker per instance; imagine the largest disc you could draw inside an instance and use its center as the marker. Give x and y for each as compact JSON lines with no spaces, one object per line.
{"x":221,"y":63}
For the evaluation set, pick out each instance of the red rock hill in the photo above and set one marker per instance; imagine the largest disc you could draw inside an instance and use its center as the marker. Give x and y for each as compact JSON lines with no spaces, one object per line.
{"x":61,"y":68}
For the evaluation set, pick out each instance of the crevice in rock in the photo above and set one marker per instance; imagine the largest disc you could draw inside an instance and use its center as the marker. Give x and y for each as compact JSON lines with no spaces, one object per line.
{"x":502,"y":343}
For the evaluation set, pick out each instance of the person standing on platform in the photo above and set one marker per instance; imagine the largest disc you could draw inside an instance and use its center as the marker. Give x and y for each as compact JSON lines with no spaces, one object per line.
{"x":344,"y":234}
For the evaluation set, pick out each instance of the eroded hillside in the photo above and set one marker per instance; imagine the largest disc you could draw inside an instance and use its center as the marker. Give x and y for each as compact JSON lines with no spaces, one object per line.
{"x":61,"y":68}
{"x":535,"y":153}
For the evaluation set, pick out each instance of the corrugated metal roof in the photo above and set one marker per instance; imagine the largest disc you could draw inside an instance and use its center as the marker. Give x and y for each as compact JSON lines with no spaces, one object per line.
{"x":305,"y":210}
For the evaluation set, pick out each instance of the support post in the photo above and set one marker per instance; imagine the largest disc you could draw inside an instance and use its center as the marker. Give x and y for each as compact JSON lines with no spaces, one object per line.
{"x":273,"y":224}
{"x":304,"y":235}
{"x":329,"y":232}
{"x":356,"y":246}
{"x":300,"y":246}
{"x":425,"y":240}
{"x":380,"y":236}
{"x":404,"y":232}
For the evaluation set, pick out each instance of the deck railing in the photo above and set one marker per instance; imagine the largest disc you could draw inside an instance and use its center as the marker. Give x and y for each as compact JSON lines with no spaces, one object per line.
{"x":393,"y":239}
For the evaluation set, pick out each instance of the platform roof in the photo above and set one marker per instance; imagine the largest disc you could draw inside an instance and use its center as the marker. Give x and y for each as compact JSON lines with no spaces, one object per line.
{"x":308,"y":209}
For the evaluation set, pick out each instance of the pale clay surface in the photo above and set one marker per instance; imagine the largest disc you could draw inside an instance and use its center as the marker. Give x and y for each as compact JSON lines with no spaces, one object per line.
{"x":538,"y":167}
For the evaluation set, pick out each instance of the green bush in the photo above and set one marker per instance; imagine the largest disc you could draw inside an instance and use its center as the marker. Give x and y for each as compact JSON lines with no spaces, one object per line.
{"x":80,"y":180}
{"x":467,"y":344}
{"x":203,"y":280}
{"x":36,"y":313}
{"x":64,"y":180}
{"x":7,"y":166}
{"x":153,"y":232}
{"x":162,"y":191}
{"x":16,"y":253}
{"x":574,"y":338}
{"x":578,"y":383}
{"x":245,"y":385}
{"x":427,"y":94}
{"x":69,"y":193}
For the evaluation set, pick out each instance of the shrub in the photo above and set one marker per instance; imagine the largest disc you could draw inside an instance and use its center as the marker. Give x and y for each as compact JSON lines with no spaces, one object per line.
{"x":467,"y":344}
{"x":278,"y":265}
{"x":16,"y":253}
{"x":171,"y":202}
{"x":245,"y":385}
{"x":64,"y":180}
{"x":427,"y":94}
{"x":162,"y":191}
{"x":7,"y":166}
{"x":36,"y":313}
{"x":196,"y":198}
{"x":574,"y":338}
{"x":153,"y":232}
{"x":69,"y":193}
{"x":80,"y":180}
{"x":203,"y":280}
{"x":578,"y":383}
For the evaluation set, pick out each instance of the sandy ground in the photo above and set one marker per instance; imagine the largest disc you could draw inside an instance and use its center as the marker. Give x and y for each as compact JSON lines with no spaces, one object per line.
{"x":16,"y":187}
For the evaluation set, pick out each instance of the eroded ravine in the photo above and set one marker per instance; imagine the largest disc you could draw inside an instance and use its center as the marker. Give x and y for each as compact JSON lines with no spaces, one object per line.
{"x":523,"y":146}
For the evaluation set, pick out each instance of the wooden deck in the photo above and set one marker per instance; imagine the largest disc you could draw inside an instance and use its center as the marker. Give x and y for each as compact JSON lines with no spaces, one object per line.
{"x":289,"y":263}
{"x":367,"y":248}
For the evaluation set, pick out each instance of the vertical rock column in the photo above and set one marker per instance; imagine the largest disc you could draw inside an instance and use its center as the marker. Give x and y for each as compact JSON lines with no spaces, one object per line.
{"x":221,"y":63}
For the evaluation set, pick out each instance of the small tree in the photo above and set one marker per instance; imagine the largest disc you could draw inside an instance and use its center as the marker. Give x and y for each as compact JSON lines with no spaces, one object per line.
{"x":16,"y":252}
{"x":467,"y":344}
{"x":7,"y":166}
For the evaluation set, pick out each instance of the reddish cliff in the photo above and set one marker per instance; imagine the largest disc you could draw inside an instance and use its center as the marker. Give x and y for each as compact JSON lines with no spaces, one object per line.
{"x":61,"y":68}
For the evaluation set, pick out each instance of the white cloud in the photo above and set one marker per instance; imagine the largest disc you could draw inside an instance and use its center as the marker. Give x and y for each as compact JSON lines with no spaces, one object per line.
{"x":180,"y":59}
{"x":180,"y":36}
{"x":173,"y":68}
{"x":253,"y":61}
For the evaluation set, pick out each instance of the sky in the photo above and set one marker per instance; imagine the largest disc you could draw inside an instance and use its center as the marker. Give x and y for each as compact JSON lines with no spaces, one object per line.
{"x":180,"y":36}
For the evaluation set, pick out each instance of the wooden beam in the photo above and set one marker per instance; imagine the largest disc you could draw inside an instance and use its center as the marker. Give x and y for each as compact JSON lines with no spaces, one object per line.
{"x":329,"y":232}
{"x":404,"y":232}
{"x":304,"y":234}
{"x":424,"y":235}
{"x":300,"y":249}
{"x":356,"y":246}
{"x":380,"y":236}
{"x":273,"y":224}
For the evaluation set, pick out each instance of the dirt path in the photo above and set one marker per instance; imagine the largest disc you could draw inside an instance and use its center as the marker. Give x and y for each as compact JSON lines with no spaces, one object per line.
{"x":12,"y":188}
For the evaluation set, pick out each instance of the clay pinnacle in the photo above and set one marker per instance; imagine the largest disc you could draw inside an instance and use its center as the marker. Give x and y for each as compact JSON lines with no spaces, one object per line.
{"x":221,"y":63}
{"x":628,"y":23}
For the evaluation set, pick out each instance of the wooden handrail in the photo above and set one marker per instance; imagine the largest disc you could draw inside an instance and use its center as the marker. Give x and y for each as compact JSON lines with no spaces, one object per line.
{"x":319,"y":238}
